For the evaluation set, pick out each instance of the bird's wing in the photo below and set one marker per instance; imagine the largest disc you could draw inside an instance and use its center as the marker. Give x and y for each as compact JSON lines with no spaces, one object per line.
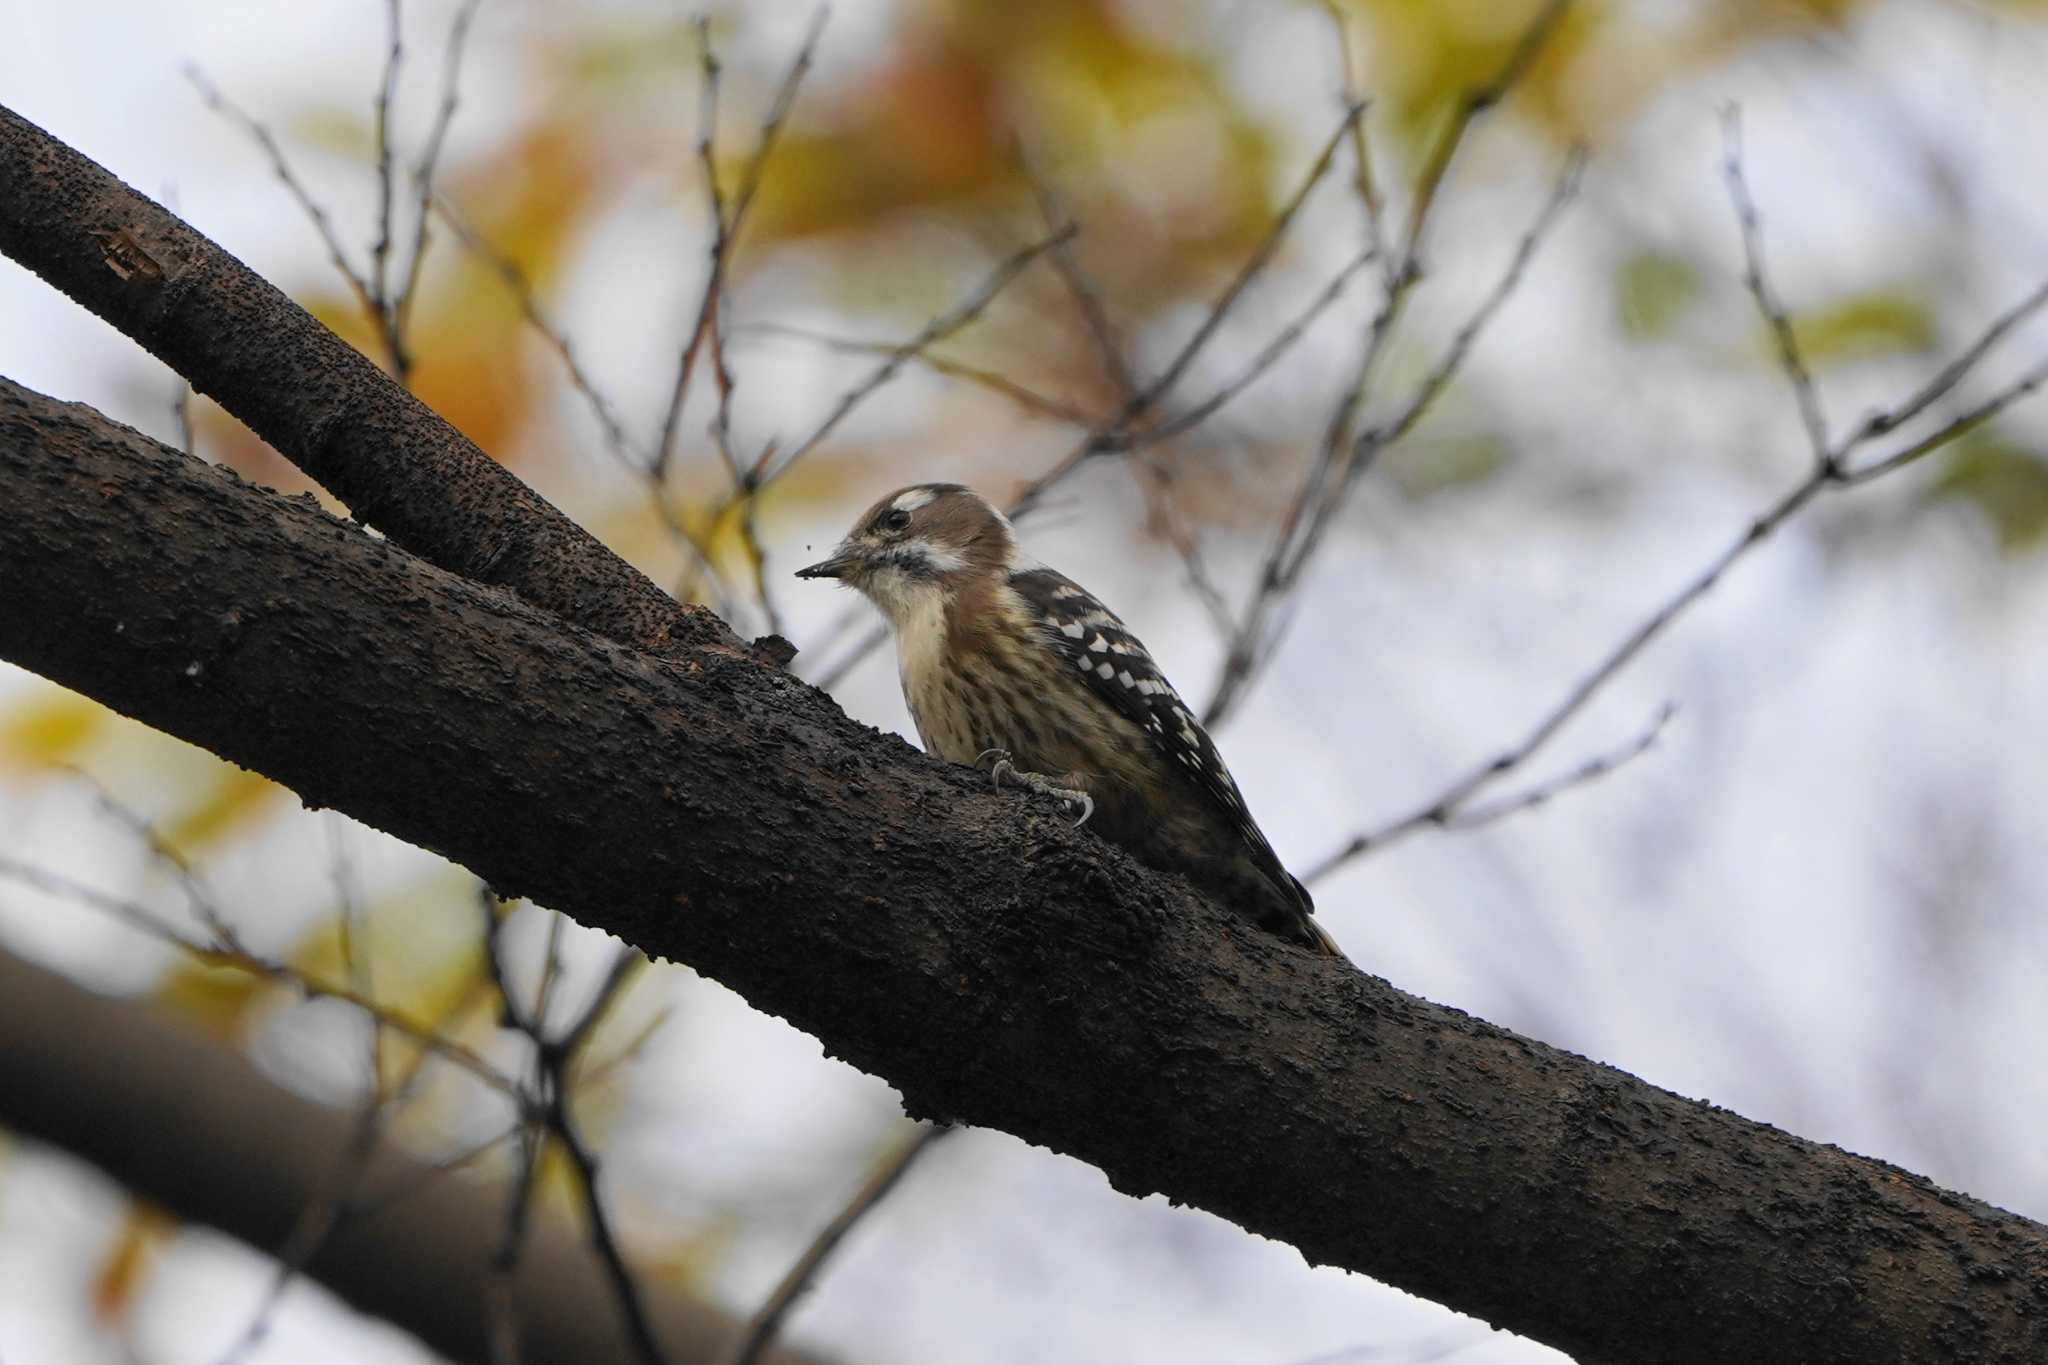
{"x":1120,"y":670}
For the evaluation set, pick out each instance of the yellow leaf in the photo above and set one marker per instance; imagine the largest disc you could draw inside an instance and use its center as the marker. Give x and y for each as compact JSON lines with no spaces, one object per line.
{"x":234,"y":799}
{"x":216,"y":999}
{"x":124,"y":1270}
{"x":48,"y":727}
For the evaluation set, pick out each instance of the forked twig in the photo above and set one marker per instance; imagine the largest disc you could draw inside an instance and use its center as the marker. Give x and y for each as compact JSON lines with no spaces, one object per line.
{"x":937,"y":330}
{"x":550,"y":1119}
{"x":1830,"y":468}
{"x":993,"y":380}
{"x":516,"y":283}
{"x":1346,"y":453}
{"x":726,"y":225}
{"x":430,"y":160}
{"x":223,"y":955}
{"x":1758,"y":281}
{"x":282,"y":168}
{"x":1448,"y":810}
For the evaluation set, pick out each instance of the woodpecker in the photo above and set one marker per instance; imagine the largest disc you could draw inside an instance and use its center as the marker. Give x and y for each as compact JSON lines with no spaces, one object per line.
{"x":1008,"y":663}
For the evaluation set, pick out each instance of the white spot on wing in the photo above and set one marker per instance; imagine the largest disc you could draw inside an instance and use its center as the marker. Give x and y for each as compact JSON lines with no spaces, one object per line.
{"x":1126,"y":680}
{"x":1105,"y":670}
{"x":1073,"y":630}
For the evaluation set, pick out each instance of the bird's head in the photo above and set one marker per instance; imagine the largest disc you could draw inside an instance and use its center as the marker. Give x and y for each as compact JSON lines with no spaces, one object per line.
{"x":918,"y":546}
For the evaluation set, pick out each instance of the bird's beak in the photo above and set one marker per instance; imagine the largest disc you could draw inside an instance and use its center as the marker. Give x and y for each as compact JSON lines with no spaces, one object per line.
{"x":836,"y":567}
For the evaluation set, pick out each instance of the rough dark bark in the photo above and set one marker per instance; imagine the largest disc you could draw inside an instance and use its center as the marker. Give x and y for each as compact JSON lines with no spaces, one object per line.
{"x":996,"y":966}
{"x":192,"y":1126}
{"x":323,"y":404}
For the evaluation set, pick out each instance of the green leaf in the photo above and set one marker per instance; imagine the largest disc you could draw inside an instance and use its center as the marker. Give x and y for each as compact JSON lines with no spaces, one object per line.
{"x":1420,"y":468}
{"x":1865,"y":326}
{"x":2004,"y":481}
{"x":1651,"y":291}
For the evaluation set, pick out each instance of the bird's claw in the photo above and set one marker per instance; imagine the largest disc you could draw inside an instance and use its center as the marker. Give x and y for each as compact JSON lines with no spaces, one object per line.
{"x":1036,"y":781}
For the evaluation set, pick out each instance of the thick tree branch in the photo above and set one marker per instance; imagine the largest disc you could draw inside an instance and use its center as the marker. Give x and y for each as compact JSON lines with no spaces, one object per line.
{"x":995,"y":965}
{"x":323,"y":404}
{"x":181,"y":1121}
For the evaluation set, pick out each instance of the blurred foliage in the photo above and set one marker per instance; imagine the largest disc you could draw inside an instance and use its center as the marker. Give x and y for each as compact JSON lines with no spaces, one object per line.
{"x":48,"y":727}
{"x":2005,"y":481}
{"x":125,"y":1266}
{"x":1652,"y":290}
{"x":1425,"y":466}
{"x":216,"y":999}
{"x":234,"y":799}
{"x":903,"y":170}
{"x":1880,"y":322}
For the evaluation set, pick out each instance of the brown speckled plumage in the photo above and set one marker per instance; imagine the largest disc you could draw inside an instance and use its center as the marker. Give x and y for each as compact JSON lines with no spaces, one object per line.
{"x":998,"y":653}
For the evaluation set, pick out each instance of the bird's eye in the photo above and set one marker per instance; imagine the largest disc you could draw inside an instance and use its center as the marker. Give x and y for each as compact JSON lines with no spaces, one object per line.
{"x":895,"y":519}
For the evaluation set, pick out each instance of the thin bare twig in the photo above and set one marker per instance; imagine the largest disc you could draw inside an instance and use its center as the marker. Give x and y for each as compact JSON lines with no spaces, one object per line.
{"x":992,"y":380}
{"x":616,"y":440}
{"x":726,"y":226}
{"x":1830,"y":470}
{"x":333,"y":1202}
{"x":1361,"y":145}
{"x":1254,"y":264}
{"x":584,"y":1163}
{"x":1562,"y":191}
{"x":1268,"y":356}
{"x":164,"y":853}
{"x":1448,"y":811}
{"x":1156,"y":481}
{"x":220,"y":104}
{"x":430,"y":160}
{"x":521,"y":289}
{"x":937,"y":330}
{"x":1948,"y":376}
{"x":554,"y":1056}
{"x":224,"y":955}
{"x":1121,"y":431}
{"x":1758,"y":281}
{"x":1345,"y":455}
{"x":1476,"y":102}
{"x":1086,"y":296}
{"x":1590,"y":770}
{"x":368,"y":1206}
{"x":767,"y":1320}
{"x":501,"y":1324}
{"x":380,"y":248}
{"x":1983,"y":412}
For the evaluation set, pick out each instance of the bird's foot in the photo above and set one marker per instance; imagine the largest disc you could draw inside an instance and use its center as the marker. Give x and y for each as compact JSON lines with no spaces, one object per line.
{"x":1038,"y":782}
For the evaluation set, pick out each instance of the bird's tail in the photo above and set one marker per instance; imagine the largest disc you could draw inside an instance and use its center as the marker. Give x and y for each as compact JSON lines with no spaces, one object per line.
{"x":1305,"y":912}
{"x":1323,"y":942}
